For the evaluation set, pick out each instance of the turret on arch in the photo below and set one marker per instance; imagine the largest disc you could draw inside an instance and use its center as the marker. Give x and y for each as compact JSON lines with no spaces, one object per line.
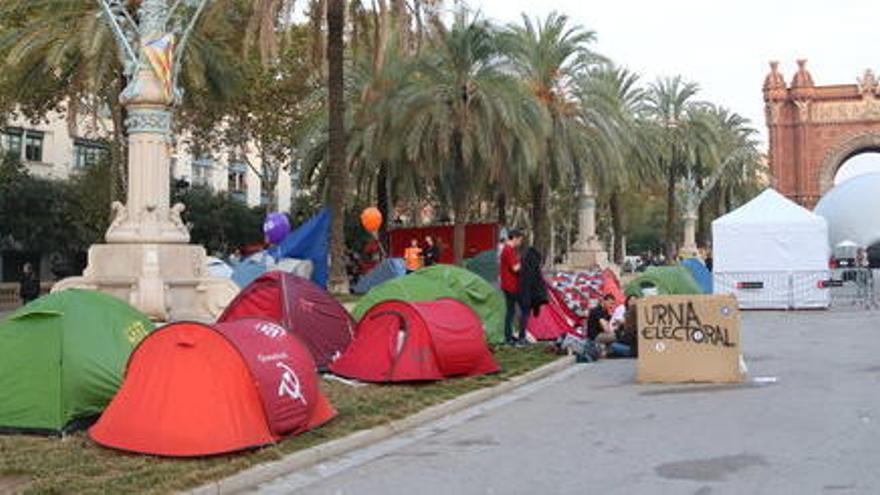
{"x":814,"y":129}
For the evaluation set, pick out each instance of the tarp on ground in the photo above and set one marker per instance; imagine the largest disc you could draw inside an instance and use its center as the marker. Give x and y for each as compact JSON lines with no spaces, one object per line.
{"x":62,"y":358}
{"x":668,"y":280}
{"x":401,"y":341}
{"x":310,"y":241}
{"x":388,"y":269}
{"x":193,"y":389}
{"x":485,"y":265}
{"x":306,"y":310}
{"x":700,"y":273}
{"x":247,"y":270}
{"x":443,"y":281}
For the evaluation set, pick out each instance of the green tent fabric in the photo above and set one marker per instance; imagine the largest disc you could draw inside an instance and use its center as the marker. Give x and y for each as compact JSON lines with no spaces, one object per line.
{"x":62,"y":358}
{"x":439,"y":281}
{"x":667,"y":279}
{"x":485,"y":264}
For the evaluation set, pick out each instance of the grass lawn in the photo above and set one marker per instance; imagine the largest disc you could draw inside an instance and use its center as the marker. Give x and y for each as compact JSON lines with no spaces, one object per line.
{"x":76,"y":465}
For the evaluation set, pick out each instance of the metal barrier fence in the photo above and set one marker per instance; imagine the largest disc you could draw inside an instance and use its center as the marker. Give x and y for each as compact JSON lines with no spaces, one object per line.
{"x":853,"y":287}
{"x":775,"y":290}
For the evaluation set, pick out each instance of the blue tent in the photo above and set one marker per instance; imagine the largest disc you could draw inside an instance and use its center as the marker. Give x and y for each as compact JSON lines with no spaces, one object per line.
{"x":386,"y":270}
{"x":700,"y":273}
{"x":310,"y":241}
{"x":247,"y":270}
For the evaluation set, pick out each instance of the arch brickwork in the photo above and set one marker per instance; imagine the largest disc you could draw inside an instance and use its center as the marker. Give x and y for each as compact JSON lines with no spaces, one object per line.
{"x":814,"y":129}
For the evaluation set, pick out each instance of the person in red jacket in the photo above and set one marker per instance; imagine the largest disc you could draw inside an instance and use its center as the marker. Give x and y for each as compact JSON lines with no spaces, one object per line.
{"x":509,"y":268}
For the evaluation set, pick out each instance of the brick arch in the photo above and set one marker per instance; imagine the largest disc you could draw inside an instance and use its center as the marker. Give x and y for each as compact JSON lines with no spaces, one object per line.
{"x":847,"y":148}
{"x":814,"y":129}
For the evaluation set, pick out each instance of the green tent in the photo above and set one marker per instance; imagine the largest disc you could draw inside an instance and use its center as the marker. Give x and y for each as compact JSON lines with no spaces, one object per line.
{"x":485,"y":265}
{"x":62,"y":358}
{"x":667,"y":280}
{"x":441,"y":281}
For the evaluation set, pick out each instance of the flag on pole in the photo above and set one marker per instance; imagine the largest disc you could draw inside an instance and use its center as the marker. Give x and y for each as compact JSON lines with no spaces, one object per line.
{"x":160,"y":52}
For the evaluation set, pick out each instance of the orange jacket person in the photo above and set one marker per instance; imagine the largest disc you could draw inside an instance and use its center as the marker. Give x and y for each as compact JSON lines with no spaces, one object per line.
{"x":412,"y":256}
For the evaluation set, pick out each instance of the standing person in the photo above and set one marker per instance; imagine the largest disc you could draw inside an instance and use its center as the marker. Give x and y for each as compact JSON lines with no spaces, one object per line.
{"x":532,"y":290}
{"x":412,"y":256}
{"x":29,"y":284}
{"x":508,"y":270}
{"x":432,"y":251}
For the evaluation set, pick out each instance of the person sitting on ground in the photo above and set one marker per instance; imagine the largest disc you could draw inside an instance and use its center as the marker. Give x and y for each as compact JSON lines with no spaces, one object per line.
{"x":599,"y":321}
{"x":432,"y":251}
{"x":509,"y":272}
{"x":628,"y":332}
{"x":412,"y":256}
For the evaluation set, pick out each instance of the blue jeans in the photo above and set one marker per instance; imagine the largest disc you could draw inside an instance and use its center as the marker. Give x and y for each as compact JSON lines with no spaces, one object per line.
{"x":621,"y":350}
{"x":512,"y":303}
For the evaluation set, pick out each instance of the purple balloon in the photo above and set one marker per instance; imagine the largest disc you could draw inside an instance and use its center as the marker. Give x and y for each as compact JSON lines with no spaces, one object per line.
{"x":276,"y":227}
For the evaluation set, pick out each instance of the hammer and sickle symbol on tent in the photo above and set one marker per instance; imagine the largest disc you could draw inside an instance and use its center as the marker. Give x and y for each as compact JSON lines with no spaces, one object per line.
{"x":289,"y":384}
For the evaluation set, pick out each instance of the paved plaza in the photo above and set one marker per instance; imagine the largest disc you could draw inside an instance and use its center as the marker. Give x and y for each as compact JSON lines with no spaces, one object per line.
{"x":807,"y":422}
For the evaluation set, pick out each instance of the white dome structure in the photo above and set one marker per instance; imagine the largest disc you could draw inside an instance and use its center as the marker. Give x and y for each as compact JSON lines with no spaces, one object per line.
{"x":852,"y":210}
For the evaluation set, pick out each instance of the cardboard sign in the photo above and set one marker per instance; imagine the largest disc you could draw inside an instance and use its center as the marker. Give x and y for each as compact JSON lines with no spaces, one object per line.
{"x":689,"y":339}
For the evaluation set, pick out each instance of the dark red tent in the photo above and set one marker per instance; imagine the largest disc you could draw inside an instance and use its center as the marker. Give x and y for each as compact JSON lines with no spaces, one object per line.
{"x":306,"y":310}
{"x":195,"y":390}
{"x":406,"y":341}
{"x":552,"y":320}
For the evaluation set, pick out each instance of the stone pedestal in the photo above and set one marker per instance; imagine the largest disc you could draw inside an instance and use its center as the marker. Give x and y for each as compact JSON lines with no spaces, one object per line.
{"x":689,"y":247}
{"x":147,"y":261}
{"x":587,"y":253}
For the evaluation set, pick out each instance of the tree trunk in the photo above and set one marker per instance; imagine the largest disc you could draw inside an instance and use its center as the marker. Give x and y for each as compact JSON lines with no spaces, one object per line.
{"x":540,"y":213}
{"x":460,"y":198}
{"x":337,"y":173}
{"x":383,"y":202}
{"x":502,"y":209}
{"x":670,"y":212}
{"x":617,"y":225}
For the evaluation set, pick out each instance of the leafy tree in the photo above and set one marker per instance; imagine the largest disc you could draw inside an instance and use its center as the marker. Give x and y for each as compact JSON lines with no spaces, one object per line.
{"x":218,"y":221}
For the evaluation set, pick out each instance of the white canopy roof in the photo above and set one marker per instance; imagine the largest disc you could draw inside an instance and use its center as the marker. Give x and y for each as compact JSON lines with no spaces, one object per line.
{"x":770,"y":233}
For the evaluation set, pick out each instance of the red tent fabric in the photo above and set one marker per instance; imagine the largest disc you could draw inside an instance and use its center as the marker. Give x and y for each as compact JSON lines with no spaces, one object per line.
{"x":195,"y":390}
{"x":554,"y":319}
{"x":580,"y":291}
{"x":306,"y":310}
{"x":408,"y":341}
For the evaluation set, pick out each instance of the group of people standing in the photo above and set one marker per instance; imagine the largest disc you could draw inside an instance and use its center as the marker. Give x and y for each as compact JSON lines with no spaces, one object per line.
{"x":522,"y":282}
{"x":417,"y":256}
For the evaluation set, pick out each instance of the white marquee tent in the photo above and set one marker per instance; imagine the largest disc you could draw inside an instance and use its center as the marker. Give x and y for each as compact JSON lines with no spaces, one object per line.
{"x":772,"y":254}
{"x":852,"y":210}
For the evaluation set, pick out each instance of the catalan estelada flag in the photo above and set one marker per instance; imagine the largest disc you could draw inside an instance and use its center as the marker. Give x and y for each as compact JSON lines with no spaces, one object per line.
{"x":160,"y":52}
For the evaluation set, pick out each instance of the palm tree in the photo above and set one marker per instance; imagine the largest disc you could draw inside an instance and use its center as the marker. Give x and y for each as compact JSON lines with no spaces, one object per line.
{"x":548,"y":54}
{"x":337,"y":172}
{"x":614,"y":93}
{"x":680,"y":130}
{"x":452,"y":106}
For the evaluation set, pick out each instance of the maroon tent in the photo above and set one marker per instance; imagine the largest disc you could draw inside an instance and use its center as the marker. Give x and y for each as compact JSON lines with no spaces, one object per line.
{"x":306,"y":310}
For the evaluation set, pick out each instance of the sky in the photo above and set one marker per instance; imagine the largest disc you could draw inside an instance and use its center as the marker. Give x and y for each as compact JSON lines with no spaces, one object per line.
{"x":725,"y":47}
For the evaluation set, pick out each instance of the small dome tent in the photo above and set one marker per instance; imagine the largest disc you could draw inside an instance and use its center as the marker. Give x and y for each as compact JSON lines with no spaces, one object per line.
{"x":306,"y":310}
{"x":771,"y":253}
{"x":700,"y":273}
{"x":665,"y":280}
{"x":195,"y":390}
{"x":388,"y":269}
{"x":442,"y":281}
{"x":62,"y":358}
{"x":411,"y":341}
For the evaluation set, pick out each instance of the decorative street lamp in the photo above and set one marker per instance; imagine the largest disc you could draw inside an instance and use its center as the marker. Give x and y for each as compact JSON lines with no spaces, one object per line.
{"x":147,"y":259}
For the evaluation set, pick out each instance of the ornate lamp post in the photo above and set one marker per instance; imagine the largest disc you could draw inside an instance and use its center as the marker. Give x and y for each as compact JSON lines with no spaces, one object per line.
{"x":147,"y":259}
{"x":587,"y":251}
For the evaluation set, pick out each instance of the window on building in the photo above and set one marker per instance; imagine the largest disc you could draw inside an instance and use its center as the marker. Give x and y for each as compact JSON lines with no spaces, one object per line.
{"x":237,"y":184}
{"x":12,"y":139}
{"x":33,"y":146}
{"x":202,"y":170}
{"x":87,"y":153}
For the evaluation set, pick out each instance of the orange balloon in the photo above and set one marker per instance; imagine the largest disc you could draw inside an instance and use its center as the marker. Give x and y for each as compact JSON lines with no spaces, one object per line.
{"x":371,"y":219}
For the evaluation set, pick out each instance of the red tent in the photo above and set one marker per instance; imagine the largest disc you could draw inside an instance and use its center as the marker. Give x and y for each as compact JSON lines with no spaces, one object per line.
{"x":405,"y":341}
{"x":194,"y":390}
{"x":306,"y":310}
{"x":581,"y":291}
{"x":554,"y":319}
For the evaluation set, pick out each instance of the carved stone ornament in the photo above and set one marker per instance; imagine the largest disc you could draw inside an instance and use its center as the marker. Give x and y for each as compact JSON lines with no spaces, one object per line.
{"x":868,"y":87}
{"x":149,"y":120}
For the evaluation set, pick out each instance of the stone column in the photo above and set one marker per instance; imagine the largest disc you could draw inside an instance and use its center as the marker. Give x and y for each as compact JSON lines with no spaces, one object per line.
{"x":689,"y":247}
{"x":587,"y":252}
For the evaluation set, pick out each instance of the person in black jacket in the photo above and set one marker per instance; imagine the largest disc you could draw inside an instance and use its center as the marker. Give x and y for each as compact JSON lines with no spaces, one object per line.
{"x":29,"y":284}
{"x":431,"y":252}
{"x":532,"y":289}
